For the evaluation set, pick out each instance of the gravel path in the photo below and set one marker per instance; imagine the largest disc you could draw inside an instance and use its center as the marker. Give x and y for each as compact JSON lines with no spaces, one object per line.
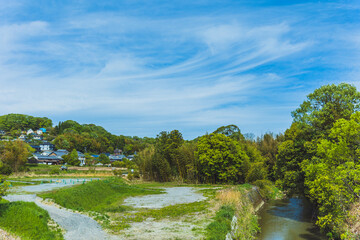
{"x":81,"y":227}
{"x":77,"y":226}
{"x":175,"y":195}
{"x":6,"y":236}
{"x":56,"y":183}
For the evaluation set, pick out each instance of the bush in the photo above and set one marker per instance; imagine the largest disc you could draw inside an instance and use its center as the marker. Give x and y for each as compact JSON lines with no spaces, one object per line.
{"x":136,"y":174}
{"x":5,"y":170}
{"x":267,"y":189}
{"x":54,"y":172}
{"x":117,"y":173}
{"x":118,"y":164}
{"x":130,"y":176}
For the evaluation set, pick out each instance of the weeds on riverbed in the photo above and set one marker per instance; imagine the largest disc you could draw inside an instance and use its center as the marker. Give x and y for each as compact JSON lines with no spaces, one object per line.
{"x":172,"y":212}
{"x":28,"y":221}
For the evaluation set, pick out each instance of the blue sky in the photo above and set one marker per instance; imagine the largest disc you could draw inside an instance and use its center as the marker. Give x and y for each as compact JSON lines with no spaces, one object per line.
{"x":141,"y":67}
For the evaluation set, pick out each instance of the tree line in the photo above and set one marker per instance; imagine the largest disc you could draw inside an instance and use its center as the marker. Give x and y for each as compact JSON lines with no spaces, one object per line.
{"x":317,"y":156}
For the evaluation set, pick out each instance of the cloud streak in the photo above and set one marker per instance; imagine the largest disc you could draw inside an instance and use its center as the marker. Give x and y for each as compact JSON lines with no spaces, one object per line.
{"x":140,"y":74}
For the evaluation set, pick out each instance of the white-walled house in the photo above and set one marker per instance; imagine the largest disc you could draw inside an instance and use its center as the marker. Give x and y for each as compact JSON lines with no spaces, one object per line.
{"x":39,"y":132}
{"x":22,"y":137}
{"x":46,"y":146}
{"x":30,"y":131}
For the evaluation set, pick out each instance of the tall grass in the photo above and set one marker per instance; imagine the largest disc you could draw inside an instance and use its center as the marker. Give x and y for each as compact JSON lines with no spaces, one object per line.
{"x":232,"y":202}
{"x":27,"y":221}
{"x":100,"y":196}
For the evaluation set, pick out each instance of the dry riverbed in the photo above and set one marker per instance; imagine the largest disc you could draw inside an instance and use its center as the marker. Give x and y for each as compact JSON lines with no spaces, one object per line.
{"x":188,"y":225}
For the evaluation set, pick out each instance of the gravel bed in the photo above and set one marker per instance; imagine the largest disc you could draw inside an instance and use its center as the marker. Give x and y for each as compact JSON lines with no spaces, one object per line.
{"x":175,"y":195}
{"x":7,"y":236}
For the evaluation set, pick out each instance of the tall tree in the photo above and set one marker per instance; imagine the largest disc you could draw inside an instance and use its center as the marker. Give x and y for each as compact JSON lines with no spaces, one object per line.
{"x":326,"y":105}
{"x":15,"y":154}
{"x":72,"y":158}
{"x":221,"y":159}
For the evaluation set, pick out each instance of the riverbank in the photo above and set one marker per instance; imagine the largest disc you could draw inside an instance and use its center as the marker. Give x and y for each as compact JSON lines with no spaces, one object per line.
{"x":143,"y":210}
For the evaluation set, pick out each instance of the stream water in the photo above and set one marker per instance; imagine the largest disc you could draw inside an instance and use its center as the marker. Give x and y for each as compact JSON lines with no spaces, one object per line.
{"x":288,"y":219}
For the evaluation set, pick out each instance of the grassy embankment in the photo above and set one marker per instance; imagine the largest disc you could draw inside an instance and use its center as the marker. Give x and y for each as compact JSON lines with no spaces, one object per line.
{"x":103,"y":201}
{"x":234,"y":201}
{"x":28,"y":221}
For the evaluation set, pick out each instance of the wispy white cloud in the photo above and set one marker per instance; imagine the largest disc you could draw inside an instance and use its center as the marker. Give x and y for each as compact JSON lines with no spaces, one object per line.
{"x":187,"y":72}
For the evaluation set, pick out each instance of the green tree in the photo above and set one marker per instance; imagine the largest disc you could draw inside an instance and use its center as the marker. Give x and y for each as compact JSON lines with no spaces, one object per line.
{"x":332,"y":177}
{"x":104,"y":159}
{"x":257,"y":172}
{"x":220,"y":159}
{"x":89,"y":160}
{"x":326,"y":105}
{"x":4,"y":185}
{"x":312,"y":123}
{"x":268,"y":146}
{"x":72,"y":158}
{"x":15,"y":154}
{"x":231,"y":131}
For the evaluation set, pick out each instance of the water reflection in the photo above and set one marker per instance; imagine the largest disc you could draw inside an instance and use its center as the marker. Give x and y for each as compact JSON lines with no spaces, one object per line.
{"x":288,"y":219}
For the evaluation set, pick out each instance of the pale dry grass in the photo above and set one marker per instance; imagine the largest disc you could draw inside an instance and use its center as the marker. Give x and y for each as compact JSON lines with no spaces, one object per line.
{"x":353,"y":224}
{"x":229,"y":196}
{"x":245,"y":213}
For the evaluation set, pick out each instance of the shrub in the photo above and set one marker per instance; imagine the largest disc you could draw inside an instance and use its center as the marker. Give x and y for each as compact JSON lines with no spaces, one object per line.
{"x":5,"y":170}
{"x":54,"y":172}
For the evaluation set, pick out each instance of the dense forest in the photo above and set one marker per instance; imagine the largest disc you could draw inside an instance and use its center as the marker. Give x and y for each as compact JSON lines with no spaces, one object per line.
{"x":316,"y":157}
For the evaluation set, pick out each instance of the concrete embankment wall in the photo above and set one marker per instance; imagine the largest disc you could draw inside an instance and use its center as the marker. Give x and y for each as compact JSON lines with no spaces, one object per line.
{"x":244,"y":222}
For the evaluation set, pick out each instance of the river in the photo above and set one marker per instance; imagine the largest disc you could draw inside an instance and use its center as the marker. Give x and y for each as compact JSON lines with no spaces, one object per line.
{"x":288,"y":219}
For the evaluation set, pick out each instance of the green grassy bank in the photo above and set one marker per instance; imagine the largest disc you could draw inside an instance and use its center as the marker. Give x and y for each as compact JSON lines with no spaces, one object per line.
{"x":27,"y":221}
{"x":100,"y":196}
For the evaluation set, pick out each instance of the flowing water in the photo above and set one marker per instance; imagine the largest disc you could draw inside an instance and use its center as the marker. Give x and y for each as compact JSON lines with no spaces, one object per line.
{"x":288,"y":219}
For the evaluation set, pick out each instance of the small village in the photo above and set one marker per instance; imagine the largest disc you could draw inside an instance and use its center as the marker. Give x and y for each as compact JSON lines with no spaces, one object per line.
{"x":44,"y":152}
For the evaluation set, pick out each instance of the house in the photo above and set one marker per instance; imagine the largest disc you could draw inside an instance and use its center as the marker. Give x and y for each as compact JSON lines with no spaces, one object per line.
{"x":60,"y":152}
{"x":114,"y":158}
{"x":43,"y":130}
{"x":39,"y":132}
{"x":49,"y":160}
{"x":46,"y":146}
{"x":22,"y":137}
{"x":37,"y":137}
{"x":30,"y":131}
{"x":130,"y":157}
{"x":117,"y":152}
{"x":81,"y":157}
